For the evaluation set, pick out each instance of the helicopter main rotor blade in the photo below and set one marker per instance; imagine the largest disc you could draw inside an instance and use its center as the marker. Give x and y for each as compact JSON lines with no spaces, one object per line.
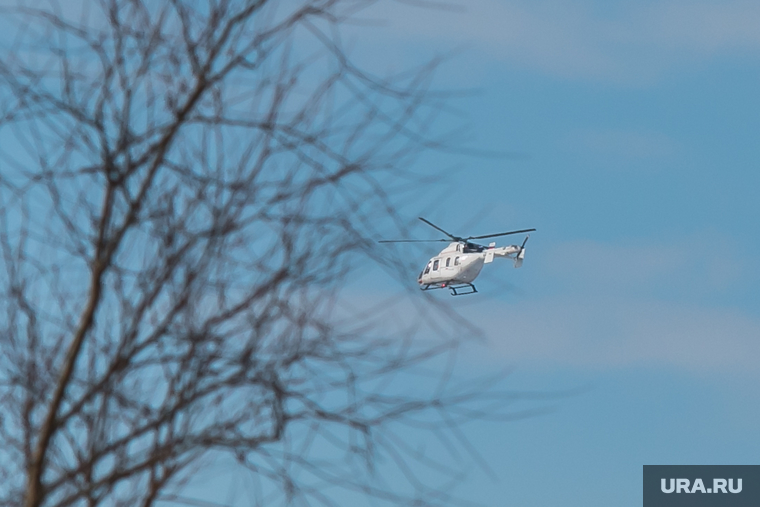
{"x":500,"y":234}
{"x":431,"y":224}
{"x":412,"y":240}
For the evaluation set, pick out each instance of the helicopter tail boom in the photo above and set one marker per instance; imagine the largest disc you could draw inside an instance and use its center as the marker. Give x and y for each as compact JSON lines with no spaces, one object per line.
{"x":515,"y":252}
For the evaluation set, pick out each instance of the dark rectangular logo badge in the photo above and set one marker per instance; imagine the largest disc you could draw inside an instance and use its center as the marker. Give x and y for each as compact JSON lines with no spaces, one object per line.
{"x":701,"y":485}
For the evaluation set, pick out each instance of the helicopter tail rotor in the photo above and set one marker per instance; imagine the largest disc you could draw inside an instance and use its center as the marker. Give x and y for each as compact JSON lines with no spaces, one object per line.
{"x":521,"y":253}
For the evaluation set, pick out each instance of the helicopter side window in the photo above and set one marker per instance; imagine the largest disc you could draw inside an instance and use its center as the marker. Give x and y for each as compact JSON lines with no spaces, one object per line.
{"x":448,"y":262}
{"x":456,"y":261}
{"x":435,"y":265}
{"x":427,"y":268}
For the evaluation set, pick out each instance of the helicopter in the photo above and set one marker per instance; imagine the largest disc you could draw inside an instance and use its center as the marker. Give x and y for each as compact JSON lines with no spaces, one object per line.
{"x":457,"y":265}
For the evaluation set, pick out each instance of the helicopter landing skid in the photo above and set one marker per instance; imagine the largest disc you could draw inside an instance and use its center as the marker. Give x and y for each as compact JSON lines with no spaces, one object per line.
{"x":453,"y":288}
{"x":464,"y":286}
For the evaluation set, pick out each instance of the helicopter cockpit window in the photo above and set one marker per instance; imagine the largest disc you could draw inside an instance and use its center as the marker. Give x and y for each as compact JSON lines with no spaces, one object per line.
{"x":473,"y":248}
{"x":456,"y":261}
{"x":448,"y":262}
{"x":427,"y":268}
{"x":435,"y":265}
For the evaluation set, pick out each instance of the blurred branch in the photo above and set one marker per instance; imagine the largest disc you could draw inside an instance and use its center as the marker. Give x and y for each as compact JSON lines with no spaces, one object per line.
{"x":184,"y":188}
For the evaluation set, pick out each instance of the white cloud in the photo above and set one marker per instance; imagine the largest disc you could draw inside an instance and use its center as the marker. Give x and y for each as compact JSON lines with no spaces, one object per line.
{"x":631,"y":303}
{"x":704,"y":27}
{"x":632,"y":43}
{"x":688,"y":267}
{"x":579,"y":331}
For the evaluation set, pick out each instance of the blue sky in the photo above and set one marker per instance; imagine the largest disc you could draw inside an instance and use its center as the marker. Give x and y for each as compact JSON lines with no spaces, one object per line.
{"x":633,"y":129}
{"x":637,"y":127}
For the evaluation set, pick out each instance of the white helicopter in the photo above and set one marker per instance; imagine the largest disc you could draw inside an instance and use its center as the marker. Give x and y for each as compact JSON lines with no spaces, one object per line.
{"x":457,"y":266}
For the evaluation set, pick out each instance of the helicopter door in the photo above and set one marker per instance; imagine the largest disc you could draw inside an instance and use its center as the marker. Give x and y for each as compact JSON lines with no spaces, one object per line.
{"x":448,"y":269}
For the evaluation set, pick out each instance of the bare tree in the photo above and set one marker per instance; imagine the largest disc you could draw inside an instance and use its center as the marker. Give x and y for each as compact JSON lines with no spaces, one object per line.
{"x":184,"y":186}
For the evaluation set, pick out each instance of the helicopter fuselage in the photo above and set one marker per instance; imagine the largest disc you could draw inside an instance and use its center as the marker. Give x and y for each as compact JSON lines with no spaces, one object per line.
{"x":457,"y":265}
{"x":461,"y":263}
